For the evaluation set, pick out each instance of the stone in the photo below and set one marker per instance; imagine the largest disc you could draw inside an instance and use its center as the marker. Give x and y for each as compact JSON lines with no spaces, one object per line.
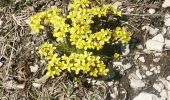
{"x":158,"y":67}
{"x":157,"y":71}
{"x":117,"y":4}
{"x":135,"y":81}
{"x":164,"y":93}
{"x":166,"y":84}
{"x":163,"y":30}
{"x":121,"y":65}
{"x":127,"y":66}
{"x":151,"y":11}
{"x":140,"y":47}
{"x":159,"y":38}
{"x":138,"y":74}
{"x":142,"y":59}
{"x":144,"y":67}
{"x":36,"y":85}
{"x":153,"y":31}
{"x":167,"y":44}
{"x":154,"y":45}
{"x":149,"y":73}
{"x":168,"y":78}
{"x":1,"y":22}
{"x":166,"y":4}
{"x":168,"y":95}
{"x":129,"y":10}
{"x":136,"y":56}
{"x":34,"y":68}
{"x":158,"y":54}
{"x":152,"y":69}
{"x":146,"y":96}
{"x":1,"y":64}
{"x":157,"y":87}
{"x":156,"y":60}
{"x":167,"y":19}
{"x":110,"y":83}
{"x":126,"y":50}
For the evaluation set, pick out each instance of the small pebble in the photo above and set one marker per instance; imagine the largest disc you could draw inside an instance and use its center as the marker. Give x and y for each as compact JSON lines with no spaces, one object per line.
{"x":1,"y":64}
{"x":157,"y":87}
{"x":159,"y":67}
{"x":140,"y":47}
{"x":117,"y":4}
{"x":151,"y":11}
{"x":36,"y":85}
{"x":34,"y":68}
{"x":164,"y":93}
{"x":1,"y":22}
{"x":142,"y":59}
{"x":157,"y":71}
{"x":168,"y":78}
{"x":143,"y":76}
{"x":152,"y":69}
{"x":148,"y":73}
{"x":156,"y":60}
{"x":110,"y":83}
{"x":138,"y":74}
{"x":144,"y":67}
{"x":167,"y":19}
{"x":166,"y":3}
{"x":136,"y":56}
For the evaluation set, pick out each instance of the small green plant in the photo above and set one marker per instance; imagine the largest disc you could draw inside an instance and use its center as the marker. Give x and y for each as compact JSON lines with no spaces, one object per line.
{"x":78,"y":36}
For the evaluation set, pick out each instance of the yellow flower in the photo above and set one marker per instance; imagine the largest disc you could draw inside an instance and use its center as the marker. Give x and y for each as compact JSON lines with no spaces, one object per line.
{"x":116,"y":56}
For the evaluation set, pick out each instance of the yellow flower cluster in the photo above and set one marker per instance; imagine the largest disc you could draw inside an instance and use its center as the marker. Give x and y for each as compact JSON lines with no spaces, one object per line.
{"x":50,"y":17}
{"x":85,"y":63}
{"x":122,"y":34}
{"x":75,"y":29}
{"x":81,"y":16}
{"x":47,"y":50}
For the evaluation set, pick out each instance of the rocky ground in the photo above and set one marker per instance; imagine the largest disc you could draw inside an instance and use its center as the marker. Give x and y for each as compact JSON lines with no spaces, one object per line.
{"x":144,"y":68}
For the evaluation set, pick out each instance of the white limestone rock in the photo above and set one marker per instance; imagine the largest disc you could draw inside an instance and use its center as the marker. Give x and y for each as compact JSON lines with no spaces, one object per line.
{"x":1,"y":22}
{"x":164,"y":30}
{"x":159,"y":38}
{"x":126,"y":50}
{"x":140,"y":47}
{"x":138,"y":74}
{"x":1,"y":64}
{"x":156,"y":60}
{"x":168,"y":95}
{"x":164,"y":93}
{"x":166,"y":84}
{"x":153,"y":31}
{"x":146,"y":96}
{"x":167,"y":44}
{"x":149,"y":73}
{"x":127,"y":66}
{"x":154,"y":45}
{"x":157,"y":87}
{"x":117,"y":4}
{"x":168,"y":78}
{"x":36,"y":85}
{"x":167,"y":18}
{"x":166,"y":4}
{"x":34,"y":68}
{"x":151,"y":11}
{"x":136,"y":82}
{"x":142,"y":59}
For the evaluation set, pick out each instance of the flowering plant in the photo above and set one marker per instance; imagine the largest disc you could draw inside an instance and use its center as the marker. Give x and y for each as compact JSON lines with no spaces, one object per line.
{"x":76,"y":31}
